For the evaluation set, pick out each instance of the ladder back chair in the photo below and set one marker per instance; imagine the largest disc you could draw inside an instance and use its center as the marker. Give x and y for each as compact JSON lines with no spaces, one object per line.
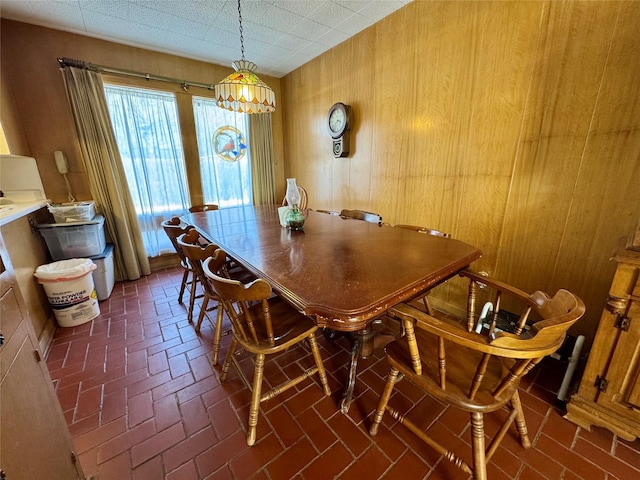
{"x":197,"y":254}
{"x":304,"y":199}
{"x":362,"y":215}
{"x":428,"y":231}
{"x":174,"y":228}
{"x":476,"y":372}
{"x":262,"y":324}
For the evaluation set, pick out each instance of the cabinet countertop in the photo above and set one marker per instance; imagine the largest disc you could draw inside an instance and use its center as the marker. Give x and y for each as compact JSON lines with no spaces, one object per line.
{"x":13,"y":211}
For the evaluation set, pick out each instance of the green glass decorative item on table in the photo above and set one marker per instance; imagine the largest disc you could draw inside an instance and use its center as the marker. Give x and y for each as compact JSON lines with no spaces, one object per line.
{"x":295,"y":219}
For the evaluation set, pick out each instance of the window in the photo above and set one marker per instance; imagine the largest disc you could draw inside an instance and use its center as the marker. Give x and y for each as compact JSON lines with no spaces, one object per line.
{"x":146,"y":127}
{"x":225,"y":165}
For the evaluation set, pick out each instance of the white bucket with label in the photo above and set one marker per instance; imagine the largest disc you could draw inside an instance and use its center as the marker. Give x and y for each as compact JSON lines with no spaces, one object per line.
{"x":70,"y":290}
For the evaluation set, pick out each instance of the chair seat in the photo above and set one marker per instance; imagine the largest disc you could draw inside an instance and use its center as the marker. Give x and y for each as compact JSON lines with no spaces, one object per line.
{"x":460,"y":366}
{"x":287,"y":331}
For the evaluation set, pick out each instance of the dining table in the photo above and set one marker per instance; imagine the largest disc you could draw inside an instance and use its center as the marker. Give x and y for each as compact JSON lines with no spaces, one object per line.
{"x":341,"y":272}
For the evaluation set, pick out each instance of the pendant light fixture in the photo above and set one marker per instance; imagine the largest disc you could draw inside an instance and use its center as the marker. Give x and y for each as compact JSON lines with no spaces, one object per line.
{"x":243,"y":91}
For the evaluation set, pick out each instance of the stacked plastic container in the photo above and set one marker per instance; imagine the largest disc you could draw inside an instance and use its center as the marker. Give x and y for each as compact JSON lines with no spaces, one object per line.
{"x":79,"y":233}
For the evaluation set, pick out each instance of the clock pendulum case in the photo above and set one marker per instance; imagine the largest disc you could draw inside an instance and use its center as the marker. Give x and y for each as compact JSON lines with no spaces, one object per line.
{"x":339,"y":123}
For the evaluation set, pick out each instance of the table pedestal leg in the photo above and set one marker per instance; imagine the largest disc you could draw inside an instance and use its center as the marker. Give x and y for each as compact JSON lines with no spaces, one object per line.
{"x":361,"y":347}
{"x":363,"y":343}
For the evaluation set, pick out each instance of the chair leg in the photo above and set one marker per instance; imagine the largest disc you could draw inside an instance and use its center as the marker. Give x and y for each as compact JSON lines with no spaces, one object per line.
{"x":183,"y":285}
{"x":384,"y":399}
{"x":321,"y":371}
{"x":203,"y":311}
{"x":192,"y":298}
{"x":521,"y":424}
{"x":254,"y":410}
{"x":228,"y":359}
{"x":425,"y":301}
{"x":477,"y":441}
{"x":217,"y":335}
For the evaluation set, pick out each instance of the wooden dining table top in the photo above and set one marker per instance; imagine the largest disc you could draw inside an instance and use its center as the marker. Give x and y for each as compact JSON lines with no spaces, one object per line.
{"x":341,"y":272}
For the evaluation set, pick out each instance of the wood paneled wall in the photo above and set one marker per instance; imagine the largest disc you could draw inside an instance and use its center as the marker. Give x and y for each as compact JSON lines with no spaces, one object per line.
{"x":36,"y":116}
{"x":515,"y":126}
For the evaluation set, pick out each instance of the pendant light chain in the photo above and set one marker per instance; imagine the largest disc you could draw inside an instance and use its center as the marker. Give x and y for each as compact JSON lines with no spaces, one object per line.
{"x":243,"y":91}
{"x":241,"y":37}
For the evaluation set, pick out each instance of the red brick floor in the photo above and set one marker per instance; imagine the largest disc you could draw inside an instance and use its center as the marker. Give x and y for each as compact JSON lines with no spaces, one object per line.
{"x":143,"y":402}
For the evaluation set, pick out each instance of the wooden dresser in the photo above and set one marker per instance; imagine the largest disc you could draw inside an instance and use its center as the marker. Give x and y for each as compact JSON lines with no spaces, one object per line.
{"x":609,"y":392}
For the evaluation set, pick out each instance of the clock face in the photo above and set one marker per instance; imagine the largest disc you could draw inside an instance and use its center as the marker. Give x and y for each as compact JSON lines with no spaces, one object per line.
{"x":338,"y":121}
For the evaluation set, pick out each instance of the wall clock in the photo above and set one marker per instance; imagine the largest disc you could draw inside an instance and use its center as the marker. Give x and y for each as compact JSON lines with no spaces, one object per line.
{"x":339,"y":124}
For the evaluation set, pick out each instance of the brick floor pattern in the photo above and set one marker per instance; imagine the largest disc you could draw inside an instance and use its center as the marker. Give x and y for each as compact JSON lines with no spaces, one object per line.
{"x":143,"y":402}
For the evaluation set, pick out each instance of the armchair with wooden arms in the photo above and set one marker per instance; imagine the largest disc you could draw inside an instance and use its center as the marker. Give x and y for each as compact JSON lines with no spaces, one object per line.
{"x":304,"y":199}
{"x":361,"y":215}
{"x":262,"y":324}
{"x":428,"y":231}
{"x":477,"y":373}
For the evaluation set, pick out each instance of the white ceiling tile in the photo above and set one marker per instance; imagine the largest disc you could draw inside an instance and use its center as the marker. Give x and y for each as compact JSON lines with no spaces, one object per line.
{"x":312,"y":51}
{"x":380,"y":9}
{"x":309,"y":28}
{"x":332,"y":38}
{"x":195,"y":11}
{"x":353,"y":5}
{"x":330,"y":14}
{"x":279,"y":19}
{"x":291,"y":42}
{"x":354,"y":24}
{"x":259,"y":32}
{"x":277,"y":52}
{"x":43,"y":13}
{"x":300,"y":7}
{"x":282,"y":34}
{"x":113,"y":8}
{"x":223,"y":39}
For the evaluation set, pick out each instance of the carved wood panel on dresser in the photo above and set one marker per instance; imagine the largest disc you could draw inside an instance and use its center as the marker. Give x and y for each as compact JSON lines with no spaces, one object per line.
{"x":609,"y":392}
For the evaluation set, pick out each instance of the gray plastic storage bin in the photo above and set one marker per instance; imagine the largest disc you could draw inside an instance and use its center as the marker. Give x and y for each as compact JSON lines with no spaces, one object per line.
{"x":74,"y":239}
{"x":104,"y":275}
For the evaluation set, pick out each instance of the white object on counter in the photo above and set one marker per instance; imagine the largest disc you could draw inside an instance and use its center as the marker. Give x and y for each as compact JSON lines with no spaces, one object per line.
{"x":21,"y":187}
{"x":20,"y":179}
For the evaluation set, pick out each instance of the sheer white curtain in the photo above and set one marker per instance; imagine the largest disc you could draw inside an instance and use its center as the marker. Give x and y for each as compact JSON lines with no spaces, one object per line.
{"x":225,"y":161}
{"x":147,"y":130}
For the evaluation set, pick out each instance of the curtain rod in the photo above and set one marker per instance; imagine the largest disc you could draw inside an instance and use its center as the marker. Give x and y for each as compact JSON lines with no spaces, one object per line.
{"x":70,"y":62}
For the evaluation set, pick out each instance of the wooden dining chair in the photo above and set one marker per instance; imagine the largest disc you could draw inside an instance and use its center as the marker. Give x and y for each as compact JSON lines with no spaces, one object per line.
{"x":304,"y":199}
{"x":362,"y":215}
{"x":328,"y":212}
{"x":174,"y":228}
{"x":419,"y":229}
{"x":203,"y":207}
{"x":473,"y":372}
{"x":197,"y":254}
{"x":262,"y":325}
{"x":428,"y":231}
